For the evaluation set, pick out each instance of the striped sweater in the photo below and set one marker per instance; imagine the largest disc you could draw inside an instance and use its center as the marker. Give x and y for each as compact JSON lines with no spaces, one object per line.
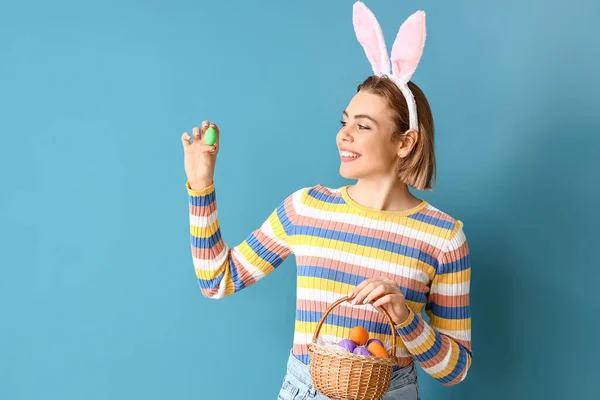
{"x":338,"y":243}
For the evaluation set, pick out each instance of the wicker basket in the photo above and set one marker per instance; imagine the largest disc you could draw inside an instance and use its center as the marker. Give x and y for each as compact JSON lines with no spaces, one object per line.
{"x":349,"y":376}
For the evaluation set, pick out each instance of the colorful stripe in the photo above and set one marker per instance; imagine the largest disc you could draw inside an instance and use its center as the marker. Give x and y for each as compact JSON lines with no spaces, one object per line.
{"x":337,"y":245}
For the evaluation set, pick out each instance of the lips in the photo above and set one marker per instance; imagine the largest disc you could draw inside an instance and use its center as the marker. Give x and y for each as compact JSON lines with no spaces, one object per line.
{"x":347,"y":155}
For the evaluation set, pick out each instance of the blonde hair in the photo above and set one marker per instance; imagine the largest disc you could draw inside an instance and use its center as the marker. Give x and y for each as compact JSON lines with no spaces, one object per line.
{"x":418,"y":169}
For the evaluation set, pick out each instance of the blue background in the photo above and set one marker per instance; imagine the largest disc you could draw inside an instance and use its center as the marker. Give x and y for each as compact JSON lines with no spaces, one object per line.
{"x":98,"y":296}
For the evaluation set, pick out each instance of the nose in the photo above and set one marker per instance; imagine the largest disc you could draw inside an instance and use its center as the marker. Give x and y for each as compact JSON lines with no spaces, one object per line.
{"x":346,"y":136}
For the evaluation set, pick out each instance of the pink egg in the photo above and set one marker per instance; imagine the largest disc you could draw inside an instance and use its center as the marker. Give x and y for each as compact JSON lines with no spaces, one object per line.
{"x":375,"y":340}
{"x":347,"y":344}
{"x":362,"y":351}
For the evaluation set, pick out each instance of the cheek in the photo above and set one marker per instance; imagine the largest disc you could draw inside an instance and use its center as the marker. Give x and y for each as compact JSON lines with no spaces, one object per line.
{"x":375,"y":149}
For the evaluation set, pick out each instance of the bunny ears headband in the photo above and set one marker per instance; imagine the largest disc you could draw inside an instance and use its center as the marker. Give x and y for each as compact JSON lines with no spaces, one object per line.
{"x":406,"y":51}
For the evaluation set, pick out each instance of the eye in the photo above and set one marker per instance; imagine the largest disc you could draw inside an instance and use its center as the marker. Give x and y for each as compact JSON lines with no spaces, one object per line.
{"x":343,"y":123}
{"x":363,"y":127}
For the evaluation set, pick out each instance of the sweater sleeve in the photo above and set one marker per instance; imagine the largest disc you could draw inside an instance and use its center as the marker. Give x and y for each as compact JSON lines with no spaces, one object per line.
{"x":443,"y":346}
{"x":221,"y":270}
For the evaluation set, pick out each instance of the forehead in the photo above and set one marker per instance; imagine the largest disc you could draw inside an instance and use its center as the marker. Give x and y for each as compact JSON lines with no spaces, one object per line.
{"x":368,"y":103}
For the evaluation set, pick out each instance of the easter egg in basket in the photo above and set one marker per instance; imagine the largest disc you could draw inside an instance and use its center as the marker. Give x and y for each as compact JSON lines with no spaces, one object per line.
{"x":347,"y":344}
{"x":377,"y":350}
{"x":362,"y":351}
{"x":359,"y":335}
{"x":374,"y":340}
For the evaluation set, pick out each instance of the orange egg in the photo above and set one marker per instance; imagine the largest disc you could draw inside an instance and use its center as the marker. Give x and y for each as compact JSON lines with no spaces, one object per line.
{"x":377,"y":350}
{"x":359,"y":335}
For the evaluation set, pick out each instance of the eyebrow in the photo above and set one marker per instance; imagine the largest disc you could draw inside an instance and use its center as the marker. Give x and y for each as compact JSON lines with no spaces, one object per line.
{"x":362,"y":116}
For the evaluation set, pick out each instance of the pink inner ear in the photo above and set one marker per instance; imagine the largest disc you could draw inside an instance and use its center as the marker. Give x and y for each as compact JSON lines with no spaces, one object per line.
{"x":369,"y":35}
{"x":408,"y":46}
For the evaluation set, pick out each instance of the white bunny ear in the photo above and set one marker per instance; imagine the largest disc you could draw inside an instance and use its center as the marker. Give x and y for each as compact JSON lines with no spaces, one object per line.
{"x":408,"y":47}
{"x":369,"y":35}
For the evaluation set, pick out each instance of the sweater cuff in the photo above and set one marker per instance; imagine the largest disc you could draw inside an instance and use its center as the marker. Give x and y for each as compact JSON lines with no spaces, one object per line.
{"x":407,"y":328}
{"x":203,"y":192}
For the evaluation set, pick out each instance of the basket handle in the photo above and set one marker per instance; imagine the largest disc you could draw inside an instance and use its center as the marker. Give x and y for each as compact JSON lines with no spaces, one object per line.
{"x":381,"y":309}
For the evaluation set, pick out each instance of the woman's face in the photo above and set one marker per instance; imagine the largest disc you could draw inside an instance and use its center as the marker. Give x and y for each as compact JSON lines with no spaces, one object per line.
{"x":364,"y":140}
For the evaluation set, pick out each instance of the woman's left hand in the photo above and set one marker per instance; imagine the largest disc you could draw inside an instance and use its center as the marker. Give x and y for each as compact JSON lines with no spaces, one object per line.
{"x":381,"y":292}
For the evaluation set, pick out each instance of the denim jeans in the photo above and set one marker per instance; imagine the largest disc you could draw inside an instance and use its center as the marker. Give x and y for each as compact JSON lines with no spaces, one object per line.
{"x":298,"y":385}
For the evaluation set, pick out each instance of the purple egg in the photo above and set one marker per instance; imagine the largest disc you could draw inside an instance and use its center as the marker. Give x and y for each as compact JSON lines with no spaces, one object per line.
{"x":347,"y":344}
{"x":362,"y":351}
{"x":375,"y":340}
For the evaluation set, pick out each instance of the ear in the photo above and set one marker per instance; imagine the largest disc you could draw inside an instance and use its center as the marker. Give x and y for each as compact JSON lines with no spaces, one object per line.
{"x":408,"y":47}
{"x":407,"y":143}
{"x":369,"y":35}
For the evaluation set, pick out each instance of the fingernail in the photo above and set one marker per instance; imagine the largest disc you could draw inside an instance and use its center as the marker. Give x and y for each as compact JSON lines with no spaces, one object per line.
{"x":350,"y":295}
{"x":205,"y":124}
{"x":353,"y":302}
{"x":187,"y":137}
{"x":366,"y":300}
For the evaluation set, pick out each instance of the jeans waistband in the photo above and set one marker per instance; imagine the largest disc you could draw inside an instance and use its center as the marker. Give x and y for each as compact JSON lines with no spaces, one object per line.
{"x":298,"y":368}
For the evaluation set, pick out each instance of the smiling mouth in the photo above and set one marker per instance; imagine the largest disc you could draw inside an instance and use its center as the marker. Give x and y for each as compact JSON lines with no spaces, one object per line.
{"x":347,"y":156}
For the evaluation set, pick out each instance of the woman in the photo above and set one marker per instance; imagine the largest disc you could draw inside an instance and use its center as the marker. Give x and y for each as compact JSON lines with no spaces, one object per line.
{"x":373,"y":241}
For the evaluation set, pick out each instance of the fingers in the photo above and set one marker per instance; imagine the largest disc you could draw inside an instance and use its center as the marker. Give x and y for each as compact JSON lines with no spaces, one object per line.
{"x":362,"y":285}
{"x":363,"y":292}
{"x":196,"y":132}
{"x":185,"y":139}
{"x":359,"y":287}
{"x":369,"y":292}
{"x":387,"y":299}
{"x":371,"y":289}
{"x":205,"y":125}
{"x":198,"y":135}
{"x":378,"y":292}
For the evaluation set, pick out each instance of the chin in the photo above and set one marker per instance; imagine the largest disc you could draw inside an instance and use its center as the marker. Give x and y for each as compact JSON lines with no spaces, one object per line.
{"x":349,"y":174}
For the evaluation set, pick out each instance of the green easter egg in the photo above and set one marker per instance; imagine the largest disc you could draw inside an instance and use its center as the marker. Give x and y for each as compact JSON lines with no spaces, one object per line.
{"x":210,"y":136}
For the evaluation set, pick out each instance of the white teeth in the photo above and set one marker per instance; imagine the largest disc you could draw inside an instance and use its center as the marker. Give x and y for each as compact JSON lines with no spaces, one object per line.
{"x":349,"y":154}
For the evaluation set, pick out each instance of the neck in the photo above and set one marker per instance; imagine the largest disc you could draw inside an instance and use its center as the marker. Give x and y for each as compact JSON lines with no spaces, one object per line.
{"x":384,"y":195}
